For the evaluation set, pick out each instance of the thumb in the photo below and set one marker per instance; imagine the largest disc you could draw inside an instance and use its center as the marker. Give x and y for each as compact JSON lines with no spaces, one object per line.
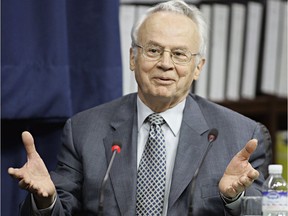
{"x":249,"y":148}
{"x":29,"y":145}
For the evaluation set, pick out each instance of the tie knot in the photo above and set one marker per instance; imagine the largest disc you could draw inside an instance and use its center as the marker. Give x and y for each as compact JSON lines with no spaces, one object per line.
{"x":156,"y":119}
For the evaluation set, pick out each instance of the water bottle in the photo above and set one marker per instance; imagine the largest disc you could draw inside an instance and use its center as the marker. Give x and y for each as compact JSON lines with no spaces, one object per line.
{"x":275,"y":193}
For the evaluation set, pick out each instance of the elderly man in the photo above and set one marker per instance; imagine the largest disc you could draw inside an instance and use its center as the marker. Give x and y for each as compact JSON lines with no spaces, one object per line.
{"x":163,"y":129}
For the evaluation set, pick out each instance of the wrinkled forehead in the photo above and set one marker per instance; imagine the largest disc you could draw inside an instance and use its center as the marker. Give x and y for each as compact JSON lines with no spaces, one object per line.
{"x":171,"y":28}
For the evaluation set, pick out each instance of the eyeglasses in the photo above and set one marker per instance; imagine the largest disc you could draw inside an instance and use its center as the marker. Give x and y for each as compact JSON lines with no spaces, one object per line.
{"x":154,"y":53}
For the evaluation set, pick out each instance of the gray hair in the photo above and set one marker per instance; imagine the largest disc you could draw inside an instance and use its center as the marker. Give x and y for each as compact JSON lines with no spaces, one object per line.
{"x":180,"y":7}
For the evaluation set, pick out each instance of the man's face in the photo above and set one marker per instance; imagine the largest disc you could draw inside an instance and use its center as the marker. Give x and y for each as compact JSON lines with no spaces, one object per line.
{"x":164,"y":80}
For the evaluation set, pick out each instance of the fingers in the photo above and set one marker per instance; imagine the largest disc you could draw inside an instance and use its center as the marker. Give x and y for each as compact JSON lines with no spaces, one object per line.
{"x":24,"y":184}
{"x":15,"y":173}
{"x":245,"y":181}
{"x":238,"y":187}
{"x":28,"y":143}
{"x":253,"y":174}
{"x":29,"y":186}
{"x":11,"y":171}
{"x":249,"y":148}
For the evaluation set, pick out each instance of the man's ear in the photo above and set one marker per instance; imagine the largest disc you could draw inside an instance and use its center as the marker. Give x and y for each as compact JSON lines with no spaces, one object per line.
{"x":198,"y":68}
{"x":132,"y":59}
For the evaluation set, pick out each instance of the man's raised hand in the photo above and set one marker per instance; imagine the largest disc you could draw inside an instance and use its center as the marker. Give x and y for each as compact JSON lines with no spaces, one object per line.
{"x":239,"y":173}
{"x":33,"y":176}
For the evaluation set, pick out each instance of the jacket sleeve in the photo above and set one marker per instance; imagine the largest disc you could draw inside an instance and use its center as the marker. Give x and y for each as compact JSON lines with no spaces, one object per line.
{"x":260,"y":160}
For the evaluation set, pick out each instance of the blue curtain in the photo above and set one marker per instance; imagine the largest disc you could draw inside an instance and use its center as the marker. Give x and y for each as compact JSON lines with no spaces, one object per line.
{"x":59,"y":57}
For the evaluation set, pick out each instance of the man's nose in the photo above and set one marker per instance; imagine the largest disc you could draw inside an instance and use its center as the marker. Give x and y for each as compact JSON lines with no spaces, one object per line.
{"x":166,"y":58}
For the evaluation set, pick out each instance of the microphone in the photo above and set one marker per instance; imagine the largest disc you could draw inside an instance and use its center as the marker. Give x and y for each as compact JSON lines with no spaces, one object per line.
{"x":116,"y":148}
{"x":212,"y":136}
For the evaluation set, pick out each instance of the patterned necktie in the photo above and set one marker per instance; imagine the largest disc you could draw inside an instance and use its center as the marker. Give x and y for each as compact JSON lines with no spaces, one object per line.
{"x":152,"y":171}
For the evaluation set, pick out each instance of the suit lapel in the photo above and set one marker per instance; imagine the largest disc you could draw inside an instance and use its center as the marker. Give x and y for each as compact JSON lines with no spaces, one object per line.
{"x":123,"y":175}
{"x":191,"y":146}
{"x":124,"y":170}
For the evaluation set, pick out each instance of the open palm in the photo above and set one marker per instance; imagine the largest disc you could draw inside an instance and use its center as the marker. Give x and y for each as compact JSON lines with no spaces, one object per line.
{"x":239,"y":173}
{"x":34,"y":176}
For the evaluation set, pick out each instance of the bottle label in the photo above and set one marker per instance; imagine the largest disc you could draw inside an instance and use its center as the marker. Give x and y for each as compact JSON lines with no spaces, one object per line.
{"x":274,"y":201}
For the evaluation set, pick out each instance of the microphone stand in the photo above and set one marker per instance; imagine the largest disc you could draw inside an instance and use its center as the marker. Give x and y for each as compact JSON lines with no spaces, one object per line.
{"x":116,"y":149}
{"x":213,"y":133}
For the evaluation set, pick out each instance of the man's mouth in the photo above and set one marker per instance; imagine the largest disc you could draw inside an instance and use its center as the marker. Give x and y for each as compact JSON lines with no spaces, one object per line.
{"x":164,"y":80}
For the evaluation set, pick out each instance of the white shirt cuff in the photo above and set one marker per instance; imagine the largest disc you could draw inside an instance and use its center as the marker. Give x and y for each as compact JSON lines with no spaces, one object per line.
{"x":234,"y":204}
{"x":42,"y":212}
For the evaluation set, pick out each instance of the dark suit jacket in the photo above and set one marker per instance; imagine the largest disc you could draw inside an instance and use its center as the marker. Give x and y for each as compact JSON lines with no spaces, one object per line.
{"x":86,"y":152}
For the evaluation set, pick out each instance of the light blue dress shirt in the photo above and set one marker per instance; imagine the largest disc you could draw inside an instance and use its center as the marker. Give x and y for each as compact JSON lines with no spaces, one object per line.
{"x":173,"y":118}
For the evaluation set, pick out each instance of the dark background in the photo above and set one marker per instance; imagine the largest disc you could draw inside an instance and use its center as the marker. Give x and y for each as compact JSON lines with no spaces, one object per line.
{"x":58,"y":58}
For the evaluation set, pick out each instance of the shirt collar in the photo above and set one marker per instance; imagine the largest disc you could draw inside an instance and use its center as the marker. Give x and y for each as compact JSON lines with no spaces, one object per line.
{"x":172,"y":116}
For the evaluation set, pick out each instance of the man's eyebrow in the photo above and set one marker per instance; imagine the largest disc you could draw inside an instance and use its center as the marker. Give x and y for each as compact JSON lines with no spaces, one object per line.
{"x":154,"y":43}
{"x":151,"y":42}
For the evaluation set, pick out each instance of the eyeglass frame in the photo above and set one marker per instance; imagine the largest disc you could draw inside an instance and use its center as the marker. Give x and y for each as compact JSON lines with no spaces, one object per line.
{"x":161,"y":54}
